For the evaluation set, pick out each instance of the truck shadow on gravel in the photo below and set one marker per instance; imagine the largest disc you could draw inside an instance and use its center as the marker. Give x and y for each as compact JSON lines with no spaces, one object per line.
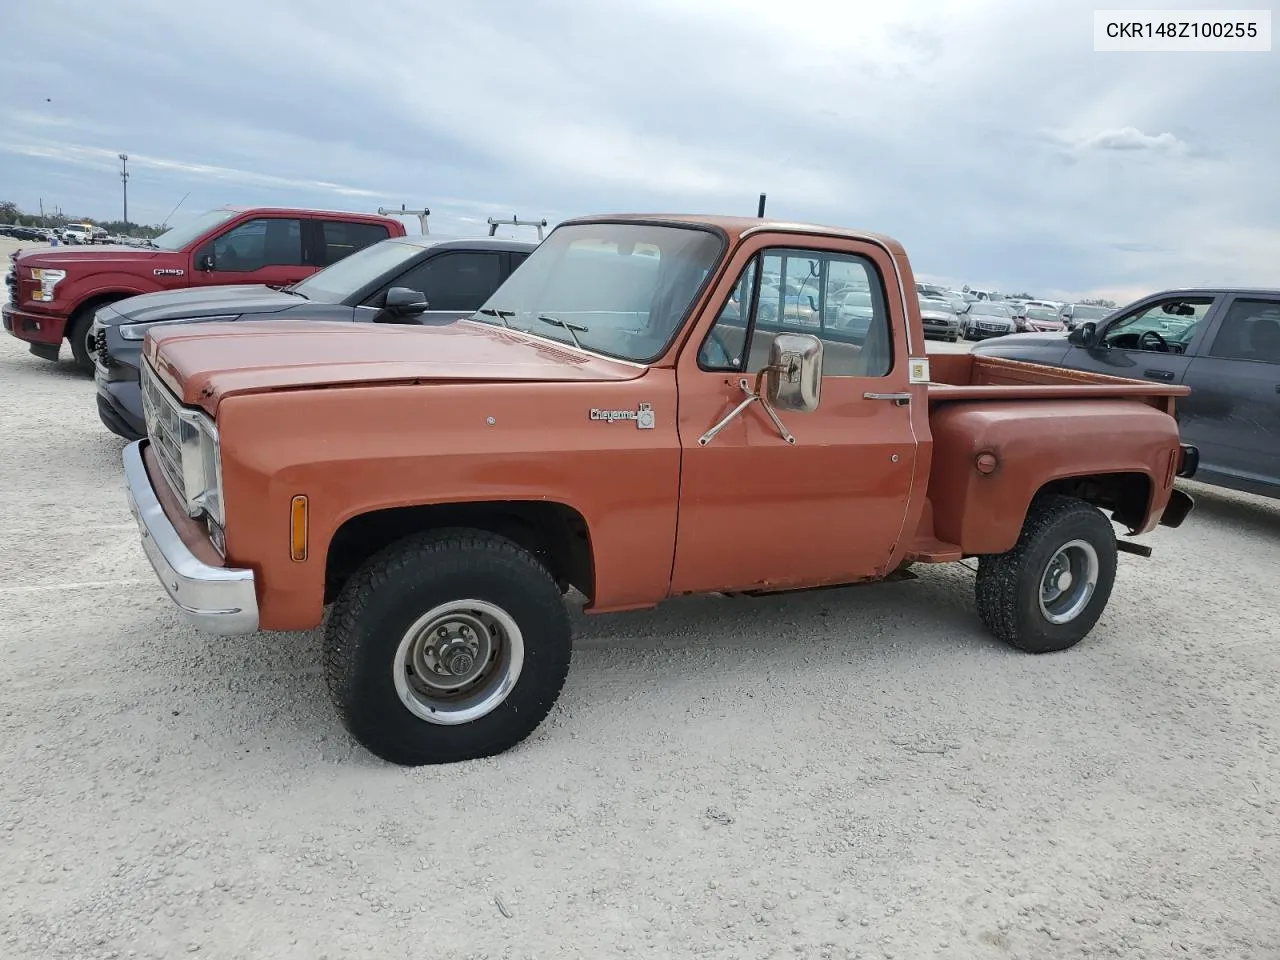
{"x":935,"y":610}
{"x":267,"y":690}
{"x":1239,"y":512}
{"x":64,"y":370}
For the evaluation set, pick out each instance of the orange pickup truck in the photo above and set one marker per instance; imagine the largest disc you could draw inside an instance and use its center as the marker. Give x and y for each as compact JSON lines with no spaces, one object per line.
{"x":650,"y":406}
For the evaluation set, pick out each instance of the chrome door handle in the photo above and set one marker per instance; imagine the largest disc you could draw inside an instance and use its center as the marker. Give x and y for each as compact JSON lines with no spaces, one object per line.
{"x":901,"y":399}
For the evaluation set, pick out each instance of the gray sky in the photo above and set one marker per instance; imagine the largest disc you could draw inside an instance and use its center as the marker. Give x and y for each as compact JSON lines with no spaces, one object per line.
{"x":987,"y":136}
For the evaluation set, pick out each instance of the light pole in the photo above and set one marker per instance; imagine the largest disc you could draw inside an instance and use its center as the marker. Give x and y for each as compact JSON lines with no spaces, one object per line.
{"x":124,"y":183}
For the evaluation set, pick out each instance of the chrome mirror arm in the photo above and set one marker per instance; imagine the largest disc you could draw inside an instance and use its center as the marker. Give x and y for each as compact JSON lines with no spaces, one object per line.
{"x":753,"y":396}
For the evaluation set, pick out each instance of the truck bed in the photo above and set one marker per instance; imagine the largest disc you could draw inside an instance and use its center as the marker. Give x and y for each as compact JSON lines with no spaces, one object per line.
{"x":963,"y":376}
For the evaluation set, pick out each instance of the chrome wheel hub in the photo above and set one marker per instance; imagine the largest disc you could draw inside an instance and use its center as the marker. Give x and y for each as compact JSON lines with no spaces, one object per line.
{"x":458,"y":662}
{"x":1068,"y":581}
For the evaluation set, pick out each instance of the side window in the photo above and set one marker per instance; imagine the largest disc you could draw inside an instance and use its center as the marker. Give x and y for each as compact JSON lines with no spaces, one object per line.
{"x":455,"y":281}
{"x":1164,"y":327}
{"x":343,"y":238}
{"x":725,"y":345}
{"x":254,"y":244}
{"x":836,"y":297}
{"x":517,"y":259}
{"x":1249,"y":331}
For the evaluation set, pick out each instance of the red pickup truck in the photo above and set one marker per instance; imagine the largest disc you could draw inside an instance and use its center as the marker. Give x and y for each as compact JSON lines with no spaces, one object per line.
{"x":642,"y":410}
{"x":53,"y":292}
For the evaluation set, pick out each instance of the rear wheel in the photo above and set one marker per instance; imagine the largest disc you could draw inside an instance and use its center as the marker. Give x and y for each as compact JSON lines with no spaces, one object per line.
{"x":447,"y":646}
{"x":1047,"y":593}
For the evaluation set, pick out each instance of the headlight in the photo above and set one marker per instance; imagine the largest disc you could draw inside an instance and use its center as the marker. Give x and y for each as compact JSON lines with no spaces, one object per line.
{"x":48,"y":280}
{"x":187,"y":447}
{"x":205,"y":495}
{"x":136,"y":331}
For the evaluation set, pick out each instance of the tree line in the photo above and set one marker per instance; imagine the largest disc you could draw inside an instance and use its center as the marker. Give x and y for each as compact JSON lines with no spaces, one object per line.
{"x":11,"y":214}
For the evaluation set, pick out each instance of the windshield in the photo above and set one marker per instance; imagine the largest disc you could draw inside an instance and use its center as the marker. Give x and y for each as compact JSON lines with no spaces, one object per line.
{"x":620,"y":289}
{"x":1079,"y":312}
{"x":936,"y":304}
{"x":178,"y":237}
{"x":354,"y":272}
{"x":1041,"y":313}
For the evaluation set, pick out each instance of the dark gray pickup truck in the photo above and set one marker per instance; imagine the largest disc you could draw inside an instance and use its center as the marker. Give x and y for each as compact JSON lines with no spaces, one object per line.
{"x":422,"y":279}
{"x":1222,"y":343}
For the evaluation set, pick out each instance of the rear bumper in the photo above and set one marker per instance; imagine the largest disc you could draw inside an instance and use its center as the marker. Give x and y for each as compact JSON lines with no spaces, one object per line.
{"x":33,"y":327}
{"x":1189,"y":461}
{"x":219,"y":600}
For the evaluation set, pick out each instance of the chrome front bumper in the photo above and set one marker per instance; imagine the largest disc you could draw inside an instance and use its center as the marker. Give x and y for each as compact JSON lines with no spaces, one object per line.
{"x":218,"y":600}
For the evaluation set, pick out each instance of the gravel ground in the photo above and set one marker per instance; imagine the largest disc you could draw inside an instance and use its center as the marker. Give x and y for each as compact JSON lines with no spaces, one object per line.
{"x":857,"y":772}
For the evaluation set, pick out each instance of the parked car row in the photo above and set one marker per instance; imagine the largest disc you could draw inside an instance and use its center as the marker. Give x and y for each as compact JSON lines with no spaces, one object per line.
{"x":490,"y":425}
{"x":1028,"y":315}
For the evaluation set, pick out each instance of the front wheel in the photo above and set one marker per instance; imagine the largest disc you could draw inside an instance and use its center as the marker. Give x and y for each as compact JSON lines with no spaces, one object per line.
{"x":1047,"y":593}
{"x":80,"y":336}
{"x":447,"y":646}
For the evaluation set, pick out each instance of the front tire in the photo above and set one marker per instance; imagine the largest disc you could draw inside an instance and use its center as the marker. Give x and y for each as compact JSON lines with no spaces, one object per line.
{"x":447,"y":646}
{"x":78,"y":336}
{"x":1047,"y":593}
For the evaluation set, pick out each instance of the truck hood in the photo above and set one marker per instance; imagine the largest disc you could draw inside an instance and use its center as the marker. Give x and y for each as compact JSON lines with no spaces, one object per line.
{"x":198,"y":302}
{"x":64,"y":258}
{"x":1018,"y":342}
{"x":939,"y":315}
{"x":206,"y":362}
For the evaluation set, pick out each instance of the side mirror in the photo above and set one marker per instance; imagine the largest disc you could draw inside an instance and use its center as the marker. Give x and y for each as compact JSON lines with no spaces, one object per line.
{"x":205,"y":262}
{"x":405,"y":302}
{"x":795,"y":382}
{"x":1083,"y":335}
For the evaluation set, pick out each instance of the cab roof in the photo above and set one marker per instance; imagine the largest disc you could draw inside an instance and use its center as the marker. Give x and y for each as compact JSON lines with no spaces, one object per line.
{"x":737,"y":227}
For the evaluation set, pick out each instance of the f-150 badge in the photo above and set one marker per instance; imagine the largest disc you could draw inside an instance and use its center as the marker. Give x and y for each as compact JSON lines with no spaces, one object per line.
{"x":643,"y":415}
{"x":168,"y":271}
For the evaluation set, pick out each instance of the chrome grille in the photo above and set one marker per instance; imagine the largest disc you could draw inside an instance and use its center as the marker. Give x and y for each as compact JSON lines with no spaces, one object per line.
{"x":100,"y":355}
{"x":164,"y":428}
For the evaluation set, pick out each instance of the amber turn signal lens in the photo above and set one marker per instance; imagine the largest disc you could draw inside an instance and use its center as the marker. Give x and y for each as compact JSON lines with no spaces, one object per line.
{"x":298,"y":528}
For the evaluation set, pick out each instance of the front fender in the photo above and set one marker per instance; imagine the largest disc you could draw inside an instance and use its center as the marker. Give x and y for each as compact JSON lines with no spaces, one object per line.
{"x":1036,"y":443}
{"x":117,"y":286}
{"x":357,"y":450}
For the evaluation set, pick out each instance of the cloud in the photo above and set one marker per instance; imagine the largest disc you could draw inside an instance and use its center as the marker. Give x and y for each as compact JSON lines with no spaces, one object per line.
{"x":985,"y":134}
{"x":1131,"y":138}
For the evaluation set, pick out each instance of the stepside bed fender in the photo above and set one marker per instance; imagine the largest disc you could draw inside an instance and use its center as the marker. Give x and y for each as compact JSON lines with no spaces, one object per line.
{"x":991,"y":458}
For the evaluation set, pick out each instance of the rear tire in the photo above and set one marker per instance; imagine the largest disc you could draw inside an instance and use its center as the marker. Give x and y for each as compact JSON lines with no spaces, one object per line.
{"x":1047,"y":593}
{"x":450,"y":645}
{"x":78,"y":336}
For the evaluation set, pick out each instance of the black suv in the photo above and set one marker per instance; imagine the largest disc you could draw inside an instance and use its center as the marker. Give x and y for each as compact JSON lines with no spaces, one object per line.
{"x":423,"y":279}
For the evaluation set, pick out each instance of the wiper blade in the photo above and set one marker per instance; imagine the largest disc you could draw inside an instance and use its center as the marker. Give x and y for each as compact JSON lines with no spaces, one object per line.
{"x":571,"y":327}
{"x":500,"y":314}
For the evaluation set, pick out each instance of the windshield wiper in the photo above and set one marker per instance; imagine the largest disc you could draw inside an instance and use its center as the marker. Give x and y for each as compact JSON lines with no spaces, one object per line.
{"x":571,"y":327}
{"x":500,"y":314}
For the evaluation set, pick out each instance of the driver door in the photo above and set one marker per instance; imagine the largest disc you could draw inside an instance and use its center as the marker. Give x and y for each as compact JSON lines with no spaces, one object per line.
{"x":1154,"y":341}
{"x":755,"y":510}
{"x":270,"y":250}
